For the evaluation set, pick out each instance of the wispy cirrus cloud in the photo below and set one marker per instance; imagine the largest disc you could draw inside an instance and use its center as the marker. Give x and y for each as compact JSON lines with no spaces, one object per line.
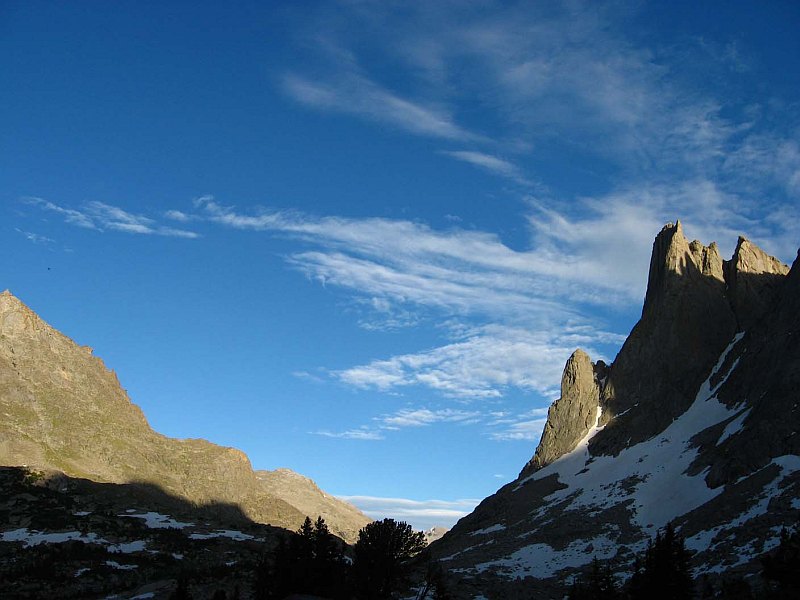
{"x":533,"y":301}
{"x":564,"y":77}
{"x":70,"y":215}
{"x":100,"y":216}
{"x":492,"y":164}
{"x":351,"y":434}
{"x":459,"y":270}
{"x":403,"y":418}
{"x":527,"y":426}
{"x":355,"y":94}
{"x":34,"y":238}
{"x":420,"y":417}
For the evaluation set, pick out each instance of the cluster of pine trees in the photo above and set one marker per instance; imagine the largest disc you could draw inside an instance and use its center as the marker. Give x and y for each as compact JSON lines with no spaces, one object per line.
{"x":313,"y":562}
{"x":664,"y":573}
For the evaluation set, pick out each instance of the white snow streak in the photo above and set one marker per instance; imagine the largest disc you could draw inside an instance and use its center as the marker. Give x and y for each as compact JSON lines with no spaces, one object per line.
{"x":234,"y":535}
{"x":155,"y":520}
{"x":492,"y":529}
{"x":34,"y":538}
{"x":734,"y":426}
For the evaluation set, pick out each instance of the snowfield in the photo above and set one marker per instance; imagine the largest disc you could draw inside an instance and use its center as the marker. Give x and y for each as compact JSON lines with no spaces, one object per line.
{"x":650,"y":478}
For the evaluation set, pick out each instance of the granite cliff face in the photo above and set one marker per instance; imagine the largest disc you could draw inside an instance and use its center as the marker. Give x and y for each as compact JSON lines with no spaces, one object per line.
{"x":63,"y":409}
{"x":695,"y":423}
{"x":570,"y":417}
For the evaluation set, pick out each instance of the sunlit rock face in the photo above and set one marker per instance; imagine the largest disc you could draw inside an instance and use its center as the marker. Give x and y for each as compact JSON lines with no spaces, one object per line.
{"x":64,"y":409}
{"x":571,"y":416}
{"x":694,"y":423}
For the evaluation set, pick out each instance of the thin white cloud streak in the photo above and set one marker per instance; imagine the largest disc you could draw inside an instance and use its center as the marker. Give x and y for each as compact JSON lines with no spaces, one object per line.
{"x":492,"y":164}
{"x":71,"y":216}
{"x":34,"y":238}
{"x":420,"y":417}
{"x":351,"y":434}
{"x":354,"y":94}
{"x":421,"y":514}
{"x":600,"y":257}
{"x":100,"y":216}
{"x":404,"y":418}
{"x":177,"y":215}
{"x":526,"y":427}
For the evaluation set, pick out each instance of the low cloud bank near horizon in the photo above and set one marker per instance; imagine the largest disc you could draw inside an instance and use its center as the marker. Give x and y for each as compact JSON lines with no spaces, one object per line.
{"x":420,"y":514}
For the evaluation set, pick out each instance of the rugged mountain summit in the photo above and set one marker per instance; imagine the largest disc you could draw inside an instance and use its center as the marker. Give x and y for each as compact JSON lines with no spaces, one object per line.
{"x":570,"y":417}
{"x":686,"y":322}
{"x":694,"y":423}
{"x":63,"y":409}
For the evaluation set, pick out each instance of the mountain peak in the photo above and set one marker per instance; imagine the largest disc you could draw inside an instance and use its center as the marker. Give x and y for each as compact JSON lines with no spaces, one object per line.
{"x":675,"y":263}
{"x":570,"y":417}
{"x":753,"y":278}
{"x":694,"y":424}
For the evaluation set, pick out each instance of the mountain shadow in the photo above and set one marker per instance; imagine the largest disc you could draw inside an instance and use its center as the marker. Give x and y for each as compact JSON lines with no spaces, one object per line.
{"x":68,"y":537}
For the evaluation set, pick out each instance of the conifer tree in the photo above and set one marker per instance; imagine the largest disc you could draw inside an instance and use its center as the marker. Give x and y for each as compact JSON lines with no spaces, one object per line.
{"x":380,"y":552}
{"x":598,"y":585}
{"x":665,"y":573}
{"x":781,"y":569}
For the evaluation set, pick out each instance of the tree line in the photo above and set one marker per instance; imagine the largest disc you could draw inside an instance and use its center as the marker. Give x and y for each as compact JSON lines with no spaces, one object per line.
{"x":314,"y":562}
{"x":663,"y":573}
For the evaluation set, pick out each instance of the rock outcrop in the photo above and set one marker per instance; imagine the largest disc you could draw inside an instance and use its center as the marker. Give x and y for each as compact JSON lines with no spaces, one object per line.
{"x":63,"y":409}
{"x":686,"y":322}
{"x":754,"y":279}
{"x":698,"y":420}
{"x":570,"y":417}
{"x":343,"y":519}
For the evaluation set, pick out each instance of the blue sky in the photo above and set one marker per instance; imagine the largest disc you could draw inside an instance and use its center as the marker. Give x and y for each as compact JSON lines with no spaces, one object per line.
{"x":359,"y":239}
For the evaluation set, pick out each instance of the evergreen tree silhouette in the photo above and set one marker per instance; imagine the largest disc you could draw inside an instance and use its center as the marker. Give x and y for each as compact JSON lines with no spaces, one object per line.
{"x":380,"y":553}
{"x":599,"y":585}
{"x":181,"y":591}
{"x":781,"y":569}
{"x":310,"y":562}
{"x":664,"y":574}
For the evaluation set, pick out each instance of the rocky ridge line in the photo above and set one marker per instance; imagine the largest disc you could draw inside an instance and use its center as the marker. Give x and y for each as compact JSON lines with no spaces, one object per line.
{"x":63,"y":409}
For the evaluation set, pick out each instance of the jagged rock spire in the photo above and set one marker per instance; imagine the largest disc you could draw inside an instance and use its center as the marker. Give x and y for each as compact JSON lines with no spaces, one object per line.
{"x":572,"y":415}
{"x":754,"y":278}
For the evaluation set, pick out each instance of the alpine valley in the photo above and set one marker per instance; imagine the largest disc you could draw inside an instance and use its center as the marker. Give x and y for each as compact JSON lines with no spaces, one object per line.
{"x":694,"y":425}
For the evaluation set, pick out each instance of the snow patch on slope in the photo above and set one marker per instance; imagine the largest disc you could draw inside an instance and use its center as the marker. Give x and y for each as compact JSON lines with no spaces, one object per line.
{"x":34,"y":538}
{"x":543,"y":561}
{"x":154,"y":520}
{"x":492,"y":529}
{"x":708,"y":539}
{"x":227,"y":533}
{"x":650,"y":478}
{"x":734,"y":426}
{"x":653,"y":473}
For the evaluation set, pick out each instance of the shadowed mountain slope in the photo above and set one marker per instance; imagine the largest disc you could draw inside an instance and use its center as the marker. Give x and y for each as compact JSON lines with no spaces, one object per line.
{"x":63,"y":409}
